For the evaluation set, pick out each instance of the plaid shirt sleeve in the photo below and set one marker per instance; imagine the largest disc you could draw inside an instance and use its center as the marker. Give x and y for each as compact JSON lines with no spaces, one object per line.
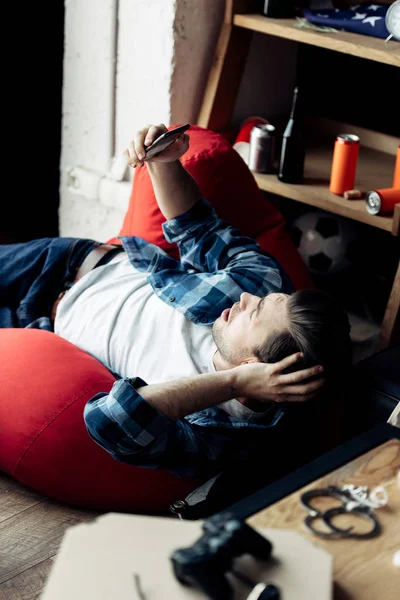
{"x":134,"y":432}
{"x":209,"y":244}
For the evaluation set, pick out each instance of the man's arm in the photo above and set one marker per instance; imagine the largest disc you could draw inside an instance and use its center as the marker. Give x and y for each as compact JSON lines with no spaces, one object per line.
{"x":134,"y":432}
{"x":175,"y":190}
{"x":143,"y":425}
{"x":206,"y":243}
{"x":263,"y":382}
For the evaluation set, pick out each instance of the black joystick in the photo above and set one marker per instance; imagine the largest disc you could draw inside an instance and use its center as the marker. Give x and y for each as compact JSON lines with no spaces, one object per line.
{"x":204,"y":564}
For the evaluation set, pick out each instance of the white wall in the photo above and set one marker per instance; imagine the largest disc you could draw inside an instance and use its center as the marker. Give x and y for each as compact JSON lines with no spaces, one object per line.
{"x":126,"y":64}
{"x":88,"y":106}
{"x":132,"y":62}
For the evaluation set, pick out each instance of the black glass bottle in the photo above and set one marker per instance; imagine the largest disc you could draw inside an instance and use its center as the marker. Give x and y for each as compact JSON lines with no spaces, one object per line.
{"x":291,"y":165}
{"x":278,"y":9}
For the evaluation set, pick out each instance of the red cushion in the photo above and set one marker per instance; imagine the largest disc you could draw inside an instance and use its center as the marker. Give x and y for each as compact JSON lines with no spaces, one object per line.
{"x":45,"y":384}
{"x":227,"y":182}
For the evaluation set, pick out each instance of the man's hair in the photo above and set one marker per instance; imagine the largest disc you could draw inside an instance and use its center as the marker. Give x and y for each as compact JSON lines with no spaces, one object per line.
{"x":319,"y":328}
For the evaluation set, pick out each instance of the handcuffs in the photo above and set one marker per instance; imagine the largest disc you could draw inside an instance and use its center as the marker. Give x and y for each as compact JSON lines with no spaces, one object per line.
{"x":355,"y":500}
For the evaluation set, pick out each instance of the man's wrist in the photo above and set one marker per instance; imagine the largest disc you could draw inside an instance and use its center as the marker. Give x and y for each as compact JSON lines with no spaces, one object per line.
{"x":155,"y":167}
{"x":235,"y":381}
{"x":243,"y":380}
{"x":175,"y":190}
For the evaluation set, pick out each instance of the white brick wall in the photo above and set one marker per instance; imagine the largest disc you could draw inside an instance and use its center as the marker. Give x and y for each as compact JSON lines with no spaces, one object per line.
{"x":127,"y":63}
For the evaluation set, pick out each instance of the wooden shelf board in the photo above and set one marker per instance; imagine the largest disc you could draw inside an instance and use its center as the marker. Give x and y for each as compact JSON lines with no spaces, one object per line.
{"x":363,"y":46}
{"x":374,"y":171}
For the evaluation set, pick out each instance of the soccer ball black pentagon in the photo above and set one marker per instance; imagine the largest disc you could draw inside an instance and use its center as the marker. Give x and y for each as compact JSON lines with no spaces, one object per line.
{"x":324,"y":241}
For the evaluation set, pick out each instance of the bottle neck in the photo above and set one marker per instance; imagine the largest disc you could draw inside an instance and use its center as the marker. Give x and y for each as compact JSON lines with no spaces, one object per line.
{"x":294,"y":125}
{"x":295,"y":112}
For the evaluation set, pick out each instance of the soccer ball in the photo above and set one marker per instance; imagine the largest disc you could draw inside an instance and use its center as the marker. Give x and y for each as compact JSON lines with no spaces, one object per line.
{"x":325,"y":241}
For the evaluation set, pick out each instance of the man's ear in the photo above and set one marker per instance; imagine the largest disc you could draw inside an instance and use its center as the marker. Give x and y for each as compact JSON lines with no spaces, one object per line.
{"x":251,"y":359}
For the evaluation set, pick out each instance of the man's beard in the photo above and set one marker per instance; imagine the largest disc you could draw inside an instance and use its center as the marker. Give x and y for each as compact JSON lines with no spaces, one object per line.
{"x":225,"y":350}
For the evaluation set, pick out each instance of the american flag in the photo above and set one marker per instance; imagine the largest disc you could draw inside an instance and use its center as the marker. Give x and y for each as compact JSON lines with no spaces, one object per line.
{"x":367,"y":19}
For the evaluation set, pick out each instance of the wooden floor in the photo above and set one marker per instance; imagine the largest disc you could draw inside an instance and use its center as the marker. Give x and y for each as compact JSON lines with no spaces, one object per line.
{"x":31,"y":530}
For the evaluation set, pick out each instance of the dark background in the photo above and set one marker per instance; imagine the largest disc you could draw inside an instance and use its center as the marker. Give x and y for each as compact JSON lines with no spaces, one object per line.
{"x":351,"y":89}
{"x":32,"y":109}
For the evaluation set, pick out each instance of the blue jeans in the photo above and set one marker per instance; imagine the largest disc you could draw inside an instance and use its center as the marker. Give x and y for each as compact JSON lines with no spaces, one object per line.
{"x":32,"y":275}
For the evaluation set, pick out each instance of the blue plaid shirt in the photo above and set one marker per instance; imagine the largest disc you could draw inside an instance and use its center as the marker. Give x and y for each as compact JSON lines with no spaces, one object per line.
{"x":217,"y":264}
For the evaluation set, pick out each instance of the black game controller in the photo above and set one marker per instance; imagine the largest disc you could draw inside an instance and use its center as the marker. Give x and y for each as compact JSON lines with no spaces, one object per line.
{"x":204,"y":564}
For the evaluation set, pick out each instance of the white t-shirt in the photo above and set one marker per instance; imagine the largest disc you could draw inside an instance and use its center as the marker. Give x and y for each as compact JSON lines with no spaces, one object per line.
{"x":113,"y":314}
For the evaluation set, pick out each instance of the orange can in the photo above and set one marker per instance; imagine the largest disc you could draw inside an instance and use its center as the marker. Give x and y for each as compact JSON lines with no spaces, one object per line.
{"x":344,"y":163}
{"x":396,"y":176}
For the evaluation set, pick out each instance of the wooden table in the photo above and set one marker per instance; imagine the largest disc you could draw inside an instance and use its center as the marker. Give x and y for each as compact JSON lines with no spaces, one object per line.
{"x":363,"y":569}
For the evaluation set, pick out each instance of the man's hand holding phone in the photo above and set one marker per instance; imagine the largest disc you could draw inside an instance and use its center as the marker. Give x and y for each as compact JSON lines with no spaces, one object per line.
{"x":174,"y":188}
{"x":156,"y":143}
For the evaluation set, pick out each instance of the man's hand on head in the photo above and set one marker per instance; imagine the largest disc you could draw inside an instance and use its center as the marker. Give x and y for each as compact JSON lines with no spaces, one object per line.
{"x":135,"y":153}
{"x":266,"y":382}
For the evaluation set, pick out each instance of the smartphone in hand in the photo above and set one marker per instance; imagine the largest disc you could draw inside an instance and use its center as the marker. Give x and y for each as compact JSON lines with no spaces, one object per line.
{"x":164,"y":140}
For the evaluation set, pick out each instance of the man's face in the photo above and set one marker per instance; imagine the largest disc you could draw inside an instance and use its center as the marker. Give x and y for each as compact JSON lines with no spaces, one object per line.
{"x":247,"y":324}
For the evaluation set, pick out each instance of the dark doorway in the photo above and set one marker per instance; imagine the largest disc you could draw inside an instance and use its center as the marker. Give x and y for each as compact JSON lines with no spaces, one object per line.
{"x":32,"y":110}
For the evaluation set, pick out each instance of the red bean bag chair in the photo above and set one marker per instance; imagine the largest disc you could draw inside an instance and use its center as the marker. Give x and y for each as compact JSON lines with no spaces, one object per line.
{"x":227,"y":182}
{"x":46,"y":382}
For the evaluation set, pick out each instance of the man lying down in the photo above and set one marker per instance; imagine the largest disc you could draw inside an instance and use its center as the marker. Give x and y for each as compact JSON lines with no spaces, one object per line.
{"x":210,"y":351}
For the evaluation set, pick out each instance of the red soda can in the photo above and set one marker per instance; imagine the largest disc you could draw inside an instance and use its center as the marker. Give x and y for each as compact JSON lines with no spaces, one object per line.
{"x":247,"y":126}
{"x":381,"y":202}
{"x":344,"y":163}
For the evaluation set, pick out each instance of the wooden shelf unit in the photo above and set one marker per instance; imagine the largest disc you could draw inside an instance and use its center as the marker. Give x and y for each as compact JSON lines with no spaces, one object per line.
{"x":363,"y":46}
{"x":377,"y":151}
{"x":373,"y":166}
